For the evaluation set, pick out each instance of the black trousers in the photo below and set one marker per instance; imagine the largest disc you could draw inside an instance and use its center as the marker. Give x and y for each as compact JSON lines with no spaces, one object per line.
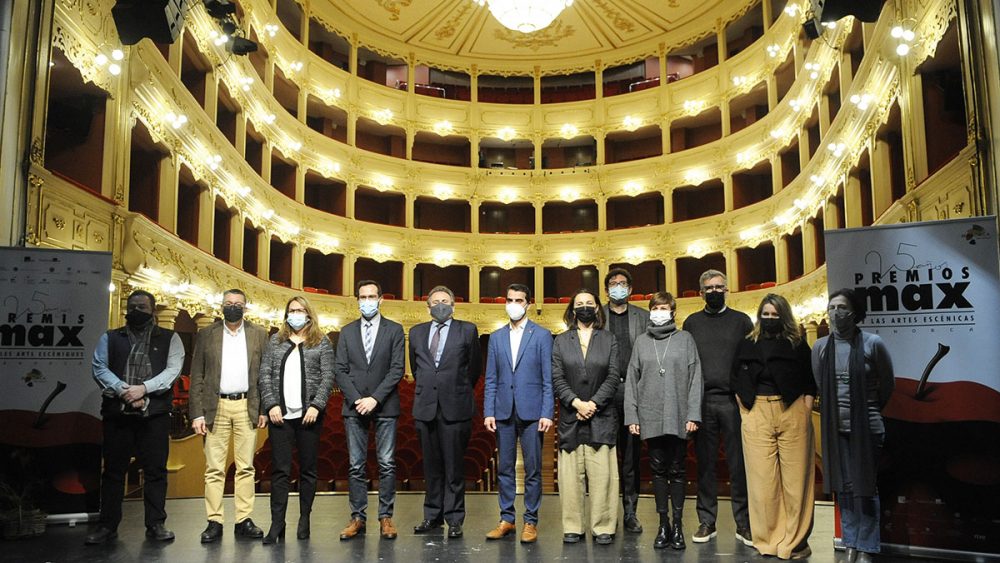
{"x":666,"y":458}
{"x":720,"y":415}
{"x":443,"y":444}
{"x":148,"y":438}
{"x":284,"y":437}
{"x":629,"y":449}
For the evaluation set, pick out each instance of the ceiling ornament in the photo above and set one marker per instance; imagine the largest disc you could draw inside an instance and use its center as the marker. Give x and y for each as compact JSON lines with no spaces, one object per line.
{"x":526,"y":16}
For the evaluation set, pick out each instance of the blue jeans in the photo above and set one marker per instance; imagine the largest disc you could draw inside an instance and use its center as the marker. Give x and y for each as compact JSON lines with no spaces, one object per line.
{"x":385,"y":449}
{"x":859,"y":516}
{"x":508,"y":433}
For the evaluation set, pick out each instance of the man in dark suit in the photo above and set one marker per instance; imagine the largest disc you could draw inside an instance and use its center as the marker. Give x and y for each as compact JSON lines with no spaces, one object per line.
{"x":445,"y":359}
{"x":370,"y":362}
{"x":518,"y":405}
{"x":225,"y":407}
{"x":626,"y":322}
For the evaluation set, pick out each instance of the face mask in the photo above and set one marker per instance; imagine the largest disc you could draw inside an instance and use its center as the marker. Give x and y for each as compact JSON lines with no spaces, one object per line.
{"x":660,"y":317}
{"x":297,"y":320}
{"x":137,"y":319}
{"x":585,"y":315}
{"x":369,"y":308}
{"x":232,"y":314}
{"x":618,"y":294}
{"x":842,"y":321}
{"x":715,"y":300}
{"x":770,"y":326}
{"x":442,"y":312}
{"x":515,"y":311}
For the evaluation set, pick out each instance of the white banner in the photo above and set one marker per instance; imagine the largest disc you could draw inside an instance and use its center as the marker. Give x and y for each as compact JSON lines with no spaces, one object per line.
{"x":55,"y":307}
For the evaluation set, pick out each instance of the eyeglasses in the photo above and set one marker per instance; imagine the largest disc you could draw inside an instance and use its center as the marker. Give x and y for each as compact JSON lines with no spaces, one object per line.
{"x":618,"y":284}
{"x":368,"y":298}
{"x":237,"y":305}
{"x":714,"y":288}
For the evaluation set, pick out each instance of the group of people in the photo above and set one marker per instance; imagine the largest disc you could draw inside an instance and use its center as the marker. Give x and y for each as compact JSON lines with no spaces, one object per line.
{"x":620,"y":374}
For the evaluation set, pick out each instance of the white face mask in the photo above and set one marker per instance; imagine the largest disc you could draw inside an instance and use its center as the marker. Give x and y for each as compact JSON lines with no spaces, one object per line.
{"x":515,"y":311}
{"x":660,"y":317}
{"x":297,"y":320}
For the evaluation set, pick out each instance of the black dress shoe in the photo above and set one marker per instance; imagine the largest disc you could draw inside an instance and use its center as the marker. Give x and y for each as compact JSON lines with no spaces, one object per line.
{"x":275,"y":535}
{"x":212,"y":532}
{"x":604,"y":539}
{"x":247,"y":529}
{"x":852,"y":555}
{"x":159,"y":532}
{"x":455,"y":531}
{"x":302,"y":532}
{"x":662,"y":540}
{"x":677,"y":535}
{"x":571,"y":538}
{"x":101,"y":535}
{"x":427,"y":526}
{"x":632,"y":524}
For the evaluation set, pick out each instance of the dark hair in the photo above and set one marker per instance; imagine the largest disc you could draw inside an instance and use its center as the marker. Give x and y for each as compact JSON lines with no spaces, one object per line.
{"x":857,"y":299}
{"x":569,"y":317}
{"x":234,"y":291}
{"x":617,"y":272}
{"x":143,"y":293}
{"x":362,"y":283}
{"x":521,"y":288}
{"x":663,"y":298}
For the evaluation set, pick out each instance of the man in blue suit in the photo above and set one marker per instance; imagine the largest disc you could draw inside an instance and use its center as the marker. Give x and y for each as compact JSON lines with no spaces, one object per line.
{"x":518,"y":406}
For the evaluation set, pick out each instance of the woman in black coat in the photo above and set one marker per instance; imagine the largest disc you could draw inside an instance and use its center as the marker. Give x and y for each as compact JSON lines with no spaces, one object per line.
{"x":774,"y":385}
{"x":584,"y":380}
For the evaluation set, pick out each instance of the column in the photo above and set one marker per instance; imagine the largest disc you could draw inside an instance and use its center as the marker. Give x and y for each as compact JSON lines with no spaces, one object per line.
{"x":831,"y":215}
{"x":668,"y":206}
{"x":599,"y":137}
{"x":808,"y":247}
{"x":720,"y":35}
{"x":348,"y":273}
{"x":824,"y":116}
{"x":670,"y":268}
{"x":474,"y":283}
{"x":204,"y":321}
{"x":846,"y":70}
{"x":241,"y":134}
{"x":598,"y":80}
{"x":302,"y":105}
{"x":408,"y":268}
{"x":803,"y":149}
{"x":236,"y":240}
{"x":474,"y":151}
{"x":474,"y":84}
{"x":811,"y":333}
{"x":264,"y":255}
{"x":781,"y":258}
{"x":352,"y":58}
{"x":852,"y":201}
{"x":537,"y":85}
{"x":537,"y":141}
{"x":167,"y":206}
{"x":212,"y":95}
{"x":665,"y":137}
{"x":265,"y":161}
{"x":474,"y":218}
{"x":298,"y":260}
{"x":411,"y":136}
{"x":772,"y":92}
{"x":166,"y":317}
{"x":206,"y":220}
{"x":777,"y":174}
{"x":538,"y":216}
{"x":732,"y":270}
{"x":352,"y":128}
{"x":881,"y":164}
{"x":727,"y":123}
{"x":352,"y":189}
{"x":300,"y":183}
{"x":410,"y":212}
{"x":727,"y":191}
{"x":602,"y":212}
{"x":540,"y":287}
{"x":768,"y":16}
{"x":911,"y":104}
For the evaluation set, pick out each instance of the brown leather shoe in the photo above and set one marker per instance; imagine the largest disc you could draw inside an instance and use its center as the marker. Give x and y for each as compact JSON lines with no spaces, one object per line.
{"x":357,"y":526}
{"x":502,"y":529}
{"x":388,"y":528}
{"x":529,"y":534}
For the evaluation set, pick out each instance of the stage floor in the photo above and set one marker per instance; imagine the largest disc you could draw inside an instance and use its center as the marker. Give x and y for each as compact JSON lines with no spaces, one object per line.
{"x":330,"y":514}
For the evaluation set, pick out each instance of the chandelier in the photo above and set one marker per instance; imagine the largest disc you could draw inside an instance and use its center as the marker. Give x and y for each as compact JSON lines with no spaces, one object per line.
{"x":526,"y":16}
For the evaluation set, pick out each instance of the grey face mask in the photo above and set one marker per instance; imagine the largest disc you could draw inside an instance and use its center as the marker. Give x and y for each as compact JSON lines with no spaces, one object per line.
{"x":842,"y":321}
{"x":442,"y":312}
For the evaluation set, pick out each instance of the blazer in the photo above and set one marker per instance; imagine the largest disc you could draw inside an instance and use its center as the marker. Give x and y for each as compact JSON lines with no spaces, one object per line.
{"x":358,"y":378}
{"x":592,"y":379}
{"x":638,"y":320}
{"x":317,"y":374}
{"x":791,"y":368}
{"x":450,"y":384}
{"x":524,"y":385}
{"x":206,"y":370}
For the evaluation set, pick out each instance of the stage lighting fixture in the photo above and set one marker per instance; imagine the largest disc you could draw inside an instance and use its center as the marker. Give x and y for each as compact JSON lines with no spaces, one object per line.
{"x":219,"y":9}
{"x":827,"y":11}
{"x":159,"y":20}
{"x":240,"y":46}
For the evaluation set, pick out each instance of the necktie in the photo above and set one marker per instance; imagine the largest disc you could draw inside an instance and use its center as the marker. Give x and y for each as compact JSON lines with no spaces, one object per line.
{"x":435,"y":341}
{"x":368,"y":341}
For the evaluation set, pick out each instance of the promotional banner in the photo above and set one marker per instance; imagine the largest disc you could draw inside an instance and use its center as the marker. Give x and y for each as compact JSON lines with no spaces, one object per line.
{"x":934,"y":297}
{"x":55,"y":307}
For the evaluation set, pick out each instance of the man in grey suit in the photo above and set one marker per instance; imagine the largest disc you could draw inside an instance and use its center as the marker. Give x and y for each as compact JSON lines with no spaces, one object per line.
{"x":626,"y":322}
{"x":445,"y":359}
{"x":225,"y":407}
{"x":370,"y":362}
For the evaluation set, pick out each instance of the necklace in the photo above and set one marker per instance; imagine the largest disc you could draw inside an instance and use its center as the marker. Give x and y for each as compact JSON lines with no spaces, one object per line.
{"x":659,"y":358}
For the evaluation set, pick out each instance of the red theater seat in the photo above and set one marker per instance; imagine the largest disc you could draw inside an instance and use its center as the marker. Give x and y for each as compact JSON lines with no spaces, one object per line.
{"x":389,"y":296}
{"x":768,"y":284}
{"x":689,"y":293}
{"x":548,"y":300}
{"x":752,"y":287}
{"x":637,"y":297}
{"x":564,"y":299}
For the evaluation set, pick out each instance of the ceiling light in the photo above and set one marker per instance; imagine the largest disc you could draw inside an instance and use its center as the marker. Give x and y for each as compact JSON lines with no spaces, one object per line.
{"x":443,"y":128}
{"x":569,"y":131}
{"x":526,"y":16}
{"x":902,"y":49}
{"x":382,"y":116}
{"x":506,"y":134}
{"x":631,"y":123}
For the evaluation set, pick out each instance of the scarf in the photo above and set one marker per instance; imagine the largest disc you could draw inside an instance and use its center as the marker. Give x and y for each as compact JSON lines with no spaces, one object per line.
{"x":662,"y":331}
{"x":863,"y":467}
{"x":140,"y":370}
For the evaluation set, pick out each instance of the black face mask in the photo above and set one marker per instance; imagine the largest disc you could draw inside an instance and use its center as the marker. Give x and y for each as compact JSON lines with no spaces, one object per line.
{"x":715,"y":300}
{"x":585,"y":315}
{"x":137,"y":319}
{"x":232,"y":313}
{"x":770,"y":326}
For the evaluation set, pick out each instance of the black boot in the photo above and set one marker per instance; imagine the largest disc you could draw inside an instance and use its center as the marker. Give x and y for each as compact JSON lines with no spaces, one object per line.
{"x":662,"y":536}
{"x":677,"y":532}
{"x":276,"y":534}
{"x":302,"y":532}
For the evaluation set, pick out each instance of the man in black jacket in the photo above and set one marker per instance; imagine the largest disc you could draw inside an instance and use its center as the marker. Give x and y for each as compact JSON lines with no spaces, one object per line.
{"x":136,"y":366}
{"x":370,"y":362}
{"x":718,"y":331}
{"x":445,"y":359}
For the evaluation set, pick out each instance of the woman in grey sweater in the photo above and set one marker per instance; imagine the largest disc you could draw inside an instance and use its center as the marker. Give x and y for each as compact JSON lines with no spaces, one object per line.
{"x":663,"y":406}
{"x":296,"y":379}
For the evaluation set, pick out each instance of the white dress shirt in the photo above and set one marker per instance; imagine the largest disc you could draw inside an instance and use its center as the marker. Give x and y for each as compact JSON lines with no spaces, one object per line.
{"x":292,"y":385}
{"x":516,"y":332}
{"x":235,"y":370}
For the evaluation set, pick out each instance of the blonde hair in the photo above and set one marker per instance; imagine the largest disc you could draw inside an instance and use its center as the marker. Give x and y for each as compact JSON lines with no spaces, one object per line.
{"x":314,"y":335}
{"x":789,"y":327}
